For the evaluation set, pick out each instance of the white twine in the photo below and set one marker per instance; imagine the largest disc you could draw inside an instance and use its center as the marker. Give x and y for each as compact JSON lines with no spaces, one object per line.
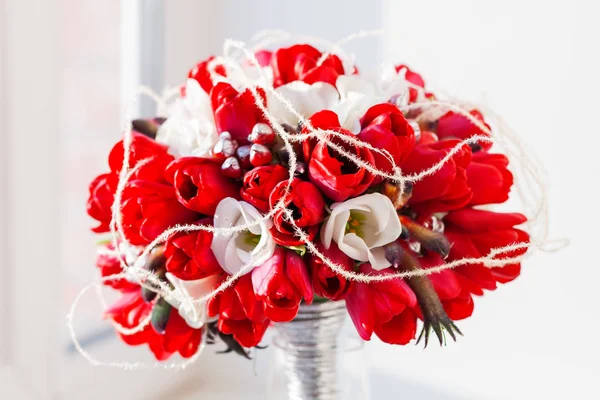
{"x":123,"y":364}
{"x":528,"y":169}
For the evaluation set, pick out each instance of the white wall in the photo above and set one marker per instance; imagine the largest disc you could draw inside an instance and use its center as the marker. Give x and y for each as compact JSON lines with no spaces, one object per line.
{"x":537,"y":64}
{"x":197,"y":29}
{"x":30,"y":150}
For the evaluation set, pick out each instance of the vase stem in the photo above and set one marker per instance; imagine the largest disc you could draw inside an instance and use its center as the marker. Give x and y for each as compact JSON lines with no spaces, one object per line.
{"x":310,"y":350}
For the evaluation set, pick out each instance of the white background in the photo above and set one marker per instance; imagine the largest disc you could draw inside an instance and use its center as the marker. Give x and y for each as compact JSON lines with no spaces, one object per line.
{"x":535,"y":62}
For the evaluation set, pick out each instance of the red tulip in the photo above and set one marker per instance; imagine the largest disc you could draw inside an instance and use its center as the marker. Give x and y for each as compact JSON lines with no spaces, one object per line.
{"x":428,"y":137}
{"x":149,"y":159}
{"x":489,"y":178}
{"x":259,"y":183}
{"x":456,"y":299}
{"x":201,"y":74}
{"x":131,"y":309}
{"x":456,"y":126}
{"x":299,"y":63}
{"x":474,"y":233}
{"x":99,"y":204}
{"x":282,"y":282}
{"x":326,"y":282}
{"x":241,"y":313}
{"x":413,"y":78}
{"x":109,"y":265}
{"x":308,"y":211}
{"x":446,"y":189}
{"x":149,"y":205}
{"x":384,"y":127}
{"x":189,"y":256}
{"x":149,"y":208}
{"x":236,"y":112}
{"x":411,"y":75}
{"x":199,"y":184}
{"x":142,"y":148}
{"x":337,"y":177}
{"x":384,"y":308}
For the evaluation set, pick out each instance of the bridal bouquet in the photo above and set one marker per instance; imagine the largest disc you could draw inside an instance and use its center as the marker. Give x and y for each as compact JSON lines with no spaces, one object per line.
{"x":288,"y":177}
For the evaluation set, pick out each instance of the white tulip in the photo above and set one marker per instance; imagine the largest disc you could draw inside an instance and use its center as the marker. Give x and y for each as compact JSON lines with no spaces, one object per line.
{"x":350,"y":110}
{"x":306,"y":99}
{"x":185,"y":292}
{"x":248,"y":74}
{"x":392,"y":83}
{"x":357,"y":95}
{"x":361,"y":227}
{"x":246,"y":249}
{"x":190,"y":128}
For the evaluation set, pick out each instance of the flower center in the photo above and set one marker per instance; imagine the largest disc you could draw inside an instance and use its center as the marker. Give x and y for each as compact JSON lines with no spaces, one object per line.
{"x":251,"y":239}
{"x":355,"y":223}
{"x":247,"y":241}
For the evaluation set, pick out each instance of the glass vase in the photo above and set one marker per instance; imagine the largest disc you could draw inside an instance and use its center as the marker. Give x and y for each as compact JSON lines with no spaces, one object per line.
{"x":314,"y":361}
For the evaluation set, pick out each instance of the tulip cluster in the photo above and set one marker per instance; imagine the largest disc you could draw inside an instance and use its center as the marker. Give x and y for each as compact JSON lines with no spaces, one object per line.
{"x":216,"y":160}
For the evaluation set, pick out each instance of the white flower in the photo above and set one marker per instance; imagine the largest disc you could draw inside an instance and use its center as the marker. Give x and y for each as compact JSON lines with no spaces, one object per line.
{"x":190,"y":129}
{"x":356,"y":96}
{"x":360,"y":92}
{"x":237,"y":250}
{"x":306,"y":99}
{"x":248,"y":74}
{"x":195,"y":314}
{"x":392,"y":83}
{"x":361,"y":227}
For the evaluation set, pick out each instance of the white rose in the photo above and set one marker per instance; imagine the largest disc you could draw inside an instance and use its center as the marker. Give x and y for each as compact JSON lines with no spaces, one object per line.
{"x":251,"y":247}
{"x":195,"y":314}
{"x":306,"y":99}
{"x":190,"y":129}
{"x":361,"y":227}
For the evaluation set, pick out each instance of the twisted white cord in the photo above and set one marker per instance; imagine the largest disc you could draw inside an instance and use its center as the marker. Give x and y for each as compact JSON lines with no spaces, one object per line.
{"x":122,"y":364}
{"x":135,"y":269}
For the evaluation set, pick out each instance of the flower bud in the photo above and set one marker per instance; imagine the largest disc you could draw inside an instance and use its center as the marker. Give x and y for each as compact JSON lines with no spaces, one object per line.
{"x":231,"y":168}
{"x":431,"y":240}
{"x":147,"y":127}
{"x":225,"y":148}
{"x":225,"y":135}
{"x":262,"y":134}
{"x":243,"y":155}
{"x":392,"y":191}
{"x":160,"y":315}
{"x":156,"y":259}
{"x":260,"y":155}
{"x":148,"y":294}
